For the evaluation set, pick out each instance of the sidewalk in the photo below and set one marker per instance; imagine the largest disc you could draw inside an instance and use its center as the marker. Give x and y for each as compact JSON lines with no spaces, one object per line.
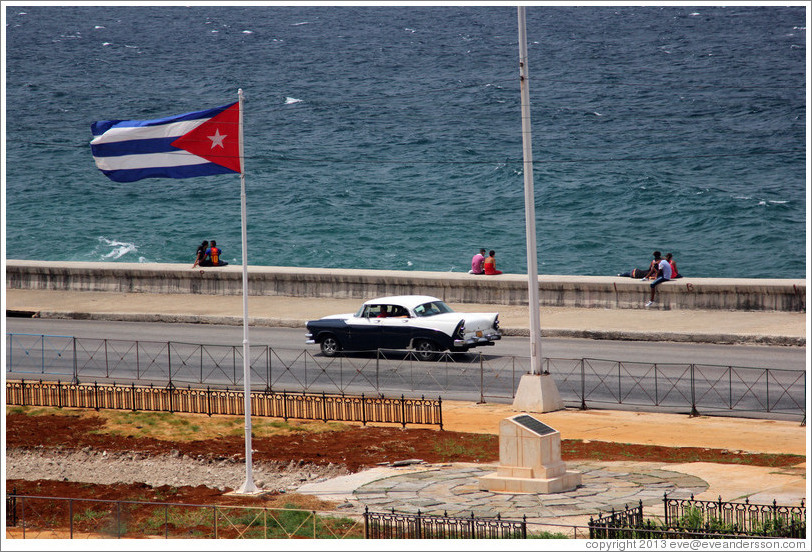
{"x":775,"y":328}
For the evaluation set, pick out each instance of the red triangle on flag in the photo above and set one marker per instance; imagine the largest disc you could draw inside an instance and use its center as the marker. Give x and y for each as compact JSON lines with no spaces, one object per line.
{"x":217,"y":140}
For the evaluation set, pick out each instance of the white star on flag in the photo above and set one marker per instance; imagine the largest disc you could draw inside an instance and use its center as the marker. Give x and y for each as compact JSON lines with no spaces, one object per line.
{"x":217,"y":139}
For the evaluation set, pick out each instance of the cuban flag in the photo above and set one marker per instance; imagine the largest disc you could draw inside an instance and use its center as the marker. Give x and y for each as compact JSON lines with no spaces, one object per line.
{"x":201,"y":143}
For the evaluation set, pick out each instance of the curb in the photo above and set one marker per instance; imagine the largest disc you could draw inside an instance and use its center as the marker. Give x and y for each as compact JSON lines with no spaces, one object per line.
{"x":614,"y":335}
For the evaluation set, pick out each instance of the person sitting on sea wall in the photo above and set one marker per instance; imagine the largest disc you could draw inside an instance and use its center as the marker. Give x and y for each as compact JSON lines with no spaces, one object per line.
{"x":490,"y":264}
{"x":644,"y":274}
{"x":212,"y":257}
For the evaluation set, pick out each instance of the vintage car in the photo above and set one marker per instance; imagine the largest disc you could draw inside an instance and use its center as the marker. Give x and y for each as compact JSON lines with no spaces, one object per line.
{"x":420,"y":322}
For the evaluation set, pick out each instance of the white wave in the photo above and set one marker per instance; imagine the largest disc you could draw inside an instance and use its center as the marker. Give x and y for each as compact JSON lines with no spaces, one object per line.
{"x":778,"y":201}
{"x":300,"y":23}
{"x":409,"y":263}
{"x":99,"y":27}
{"x":409,"y":30}
{"x":117,"y":249}
{"x":289,"y":100}
{"x":106,"y":43}
{"x":248,"y":32}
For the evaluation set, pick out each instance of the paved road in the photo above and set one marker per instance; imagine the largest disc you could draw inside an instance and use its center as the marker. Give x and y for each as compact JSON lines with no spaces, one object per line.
{"x":790,"y":358}
{"x":635,"y":378}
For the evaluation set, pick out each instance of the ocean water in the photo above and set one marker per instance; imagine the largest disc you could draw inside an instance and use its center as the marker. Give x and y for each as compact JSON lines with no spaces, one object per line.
{"x":390,"y":137}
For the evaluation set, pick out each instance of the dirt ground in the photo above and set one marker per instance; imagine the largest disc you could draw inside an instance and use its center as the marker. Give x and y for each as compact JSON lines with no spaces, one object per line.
{"x":353,"y":447}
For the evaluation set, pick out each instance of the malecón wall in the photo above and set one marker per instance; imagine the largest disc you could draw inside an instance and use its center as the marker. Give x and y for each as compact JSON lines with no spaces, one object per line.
{"x":788,"y":295}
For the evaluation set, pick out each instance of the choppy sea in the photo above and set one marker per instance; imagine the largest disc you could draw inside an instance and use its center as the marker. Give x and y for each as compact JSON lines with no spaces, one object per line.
{"x":390,"y":137}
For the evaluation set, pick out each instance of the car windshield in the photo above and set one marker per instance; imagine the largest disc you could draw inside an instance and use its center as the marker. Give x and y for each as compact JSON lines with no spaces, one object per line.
{"x":431,"y":308}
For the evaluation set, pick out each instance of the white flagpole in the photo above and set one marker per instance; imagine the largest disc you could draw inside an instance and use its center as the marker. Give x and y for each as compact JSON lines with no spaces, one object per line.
{"x":248,"y":487}
{"x":529,"y":203}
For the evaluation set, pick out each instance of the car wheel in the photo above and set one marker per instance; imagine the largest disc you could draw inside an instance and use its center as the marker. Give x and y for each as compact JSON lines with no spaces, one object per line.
{"x":425,"y":350}
{"x":330,"y":346}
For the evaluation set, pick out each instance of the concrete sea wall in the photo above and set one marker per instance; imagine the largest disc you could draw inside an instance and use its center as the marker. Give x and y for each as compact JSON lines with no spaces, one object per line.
{"x":786,"y":295}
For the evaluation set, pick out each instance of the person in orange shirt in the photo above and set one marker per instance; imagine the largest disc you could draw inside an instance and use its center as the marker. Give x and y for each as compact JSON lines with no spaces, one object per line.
{"x":490,"y":264}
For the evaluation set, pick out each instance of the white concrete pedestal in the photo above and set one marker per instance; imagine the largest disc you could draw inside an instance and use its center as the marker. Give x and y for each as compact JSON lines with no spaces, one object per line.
{"x":537,"y":393}
{"x":529,"y":459}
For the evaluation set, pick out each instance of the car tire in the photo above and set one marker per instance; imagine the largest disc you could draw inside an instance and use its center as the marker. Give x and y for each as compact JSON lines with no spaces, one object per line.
{"x":330,"y":346}
{"x":425,"y":350}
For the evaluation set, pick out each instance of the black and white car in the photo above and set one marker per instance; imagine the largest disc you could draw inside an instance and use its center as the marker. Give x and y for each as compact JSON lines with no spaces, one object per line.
{"x":420,"y":322}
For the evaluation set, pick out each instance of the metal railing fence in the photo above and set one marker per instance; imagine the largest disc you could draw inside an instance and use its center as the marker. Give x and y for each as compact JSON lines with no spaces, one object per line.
{"x":44,"y":517}
{"x":582,"y":382}
{"x":76,"y":518}
{"x":690,"y":518}
{"x":304,"y":406}
{"x":787,"y":521}
{"x":395,"y":525}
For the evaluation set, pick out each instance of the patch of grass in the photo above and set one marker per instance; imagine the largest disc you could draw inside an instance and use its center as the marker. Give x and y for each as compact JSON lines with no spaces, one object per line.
{"x":40,"y":411}
{"x":181,"y":427}
{"x":478,"y":447}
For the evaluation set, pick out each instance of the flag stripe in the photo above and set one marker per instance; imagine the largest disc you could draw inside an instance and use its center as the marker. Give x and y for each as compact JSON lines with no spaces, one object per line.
{"x":188,"y":171}
{"x":126,"y":151}
{"x":143,"y":161}
{"x":120,"y":132}
{"x":130,"y":147}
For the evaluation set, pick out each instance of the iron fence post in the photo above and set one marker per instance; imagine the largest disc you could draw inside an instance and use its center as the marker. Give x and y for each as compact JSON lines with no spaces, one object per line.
{"x":75,"y":364}
{"x":656,"y":388}
{"x":694,"y":411}
{"x":513,"y":375}
{"x":366,"y":522}
{"x":481,"y":380}
{"x":583,"y":385}
{"x":730,"y":387}
{"x":11,"y":351}
{"x":137,"y":363}
{"x":42,"y":352}
{"x":767,"y":374}
{"x":70,"y":516}
{"x":118,"y":520}
{"x":377,"y":370}
{"x":619,"y":389}
{"x":106,"y":361}
{"x":169,"y":359}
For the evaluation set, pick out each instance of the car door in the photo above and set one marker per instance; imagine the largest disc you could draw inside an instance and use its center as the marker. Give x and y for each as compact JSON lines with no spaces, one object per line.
{"x":396,"y":328}
{"x":364,"y":332}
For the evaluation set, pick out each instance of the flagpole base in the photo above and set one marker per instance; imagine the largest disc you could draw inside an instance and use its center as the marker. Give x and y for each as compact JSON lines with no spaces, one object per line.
{"x":247,"y":488}
{"x":537,"y":393}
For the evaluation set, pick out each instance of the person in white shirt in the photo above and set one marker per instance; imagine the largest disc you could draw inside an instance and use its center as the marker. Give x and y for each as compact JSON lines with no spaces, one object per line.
{"x":663,"y":275}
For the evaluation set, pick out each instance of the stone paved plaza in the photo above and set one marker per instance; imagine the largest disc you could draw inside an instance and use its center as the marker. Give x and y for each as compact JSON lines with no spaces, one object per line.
{"x":453,"y":489}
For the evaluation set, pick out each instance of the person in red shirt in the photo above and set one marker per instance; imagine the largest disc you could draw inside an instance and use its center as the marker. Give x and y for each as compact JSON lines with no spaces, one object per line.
{"x":490,"y":264}
{"x":670,"y":258}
